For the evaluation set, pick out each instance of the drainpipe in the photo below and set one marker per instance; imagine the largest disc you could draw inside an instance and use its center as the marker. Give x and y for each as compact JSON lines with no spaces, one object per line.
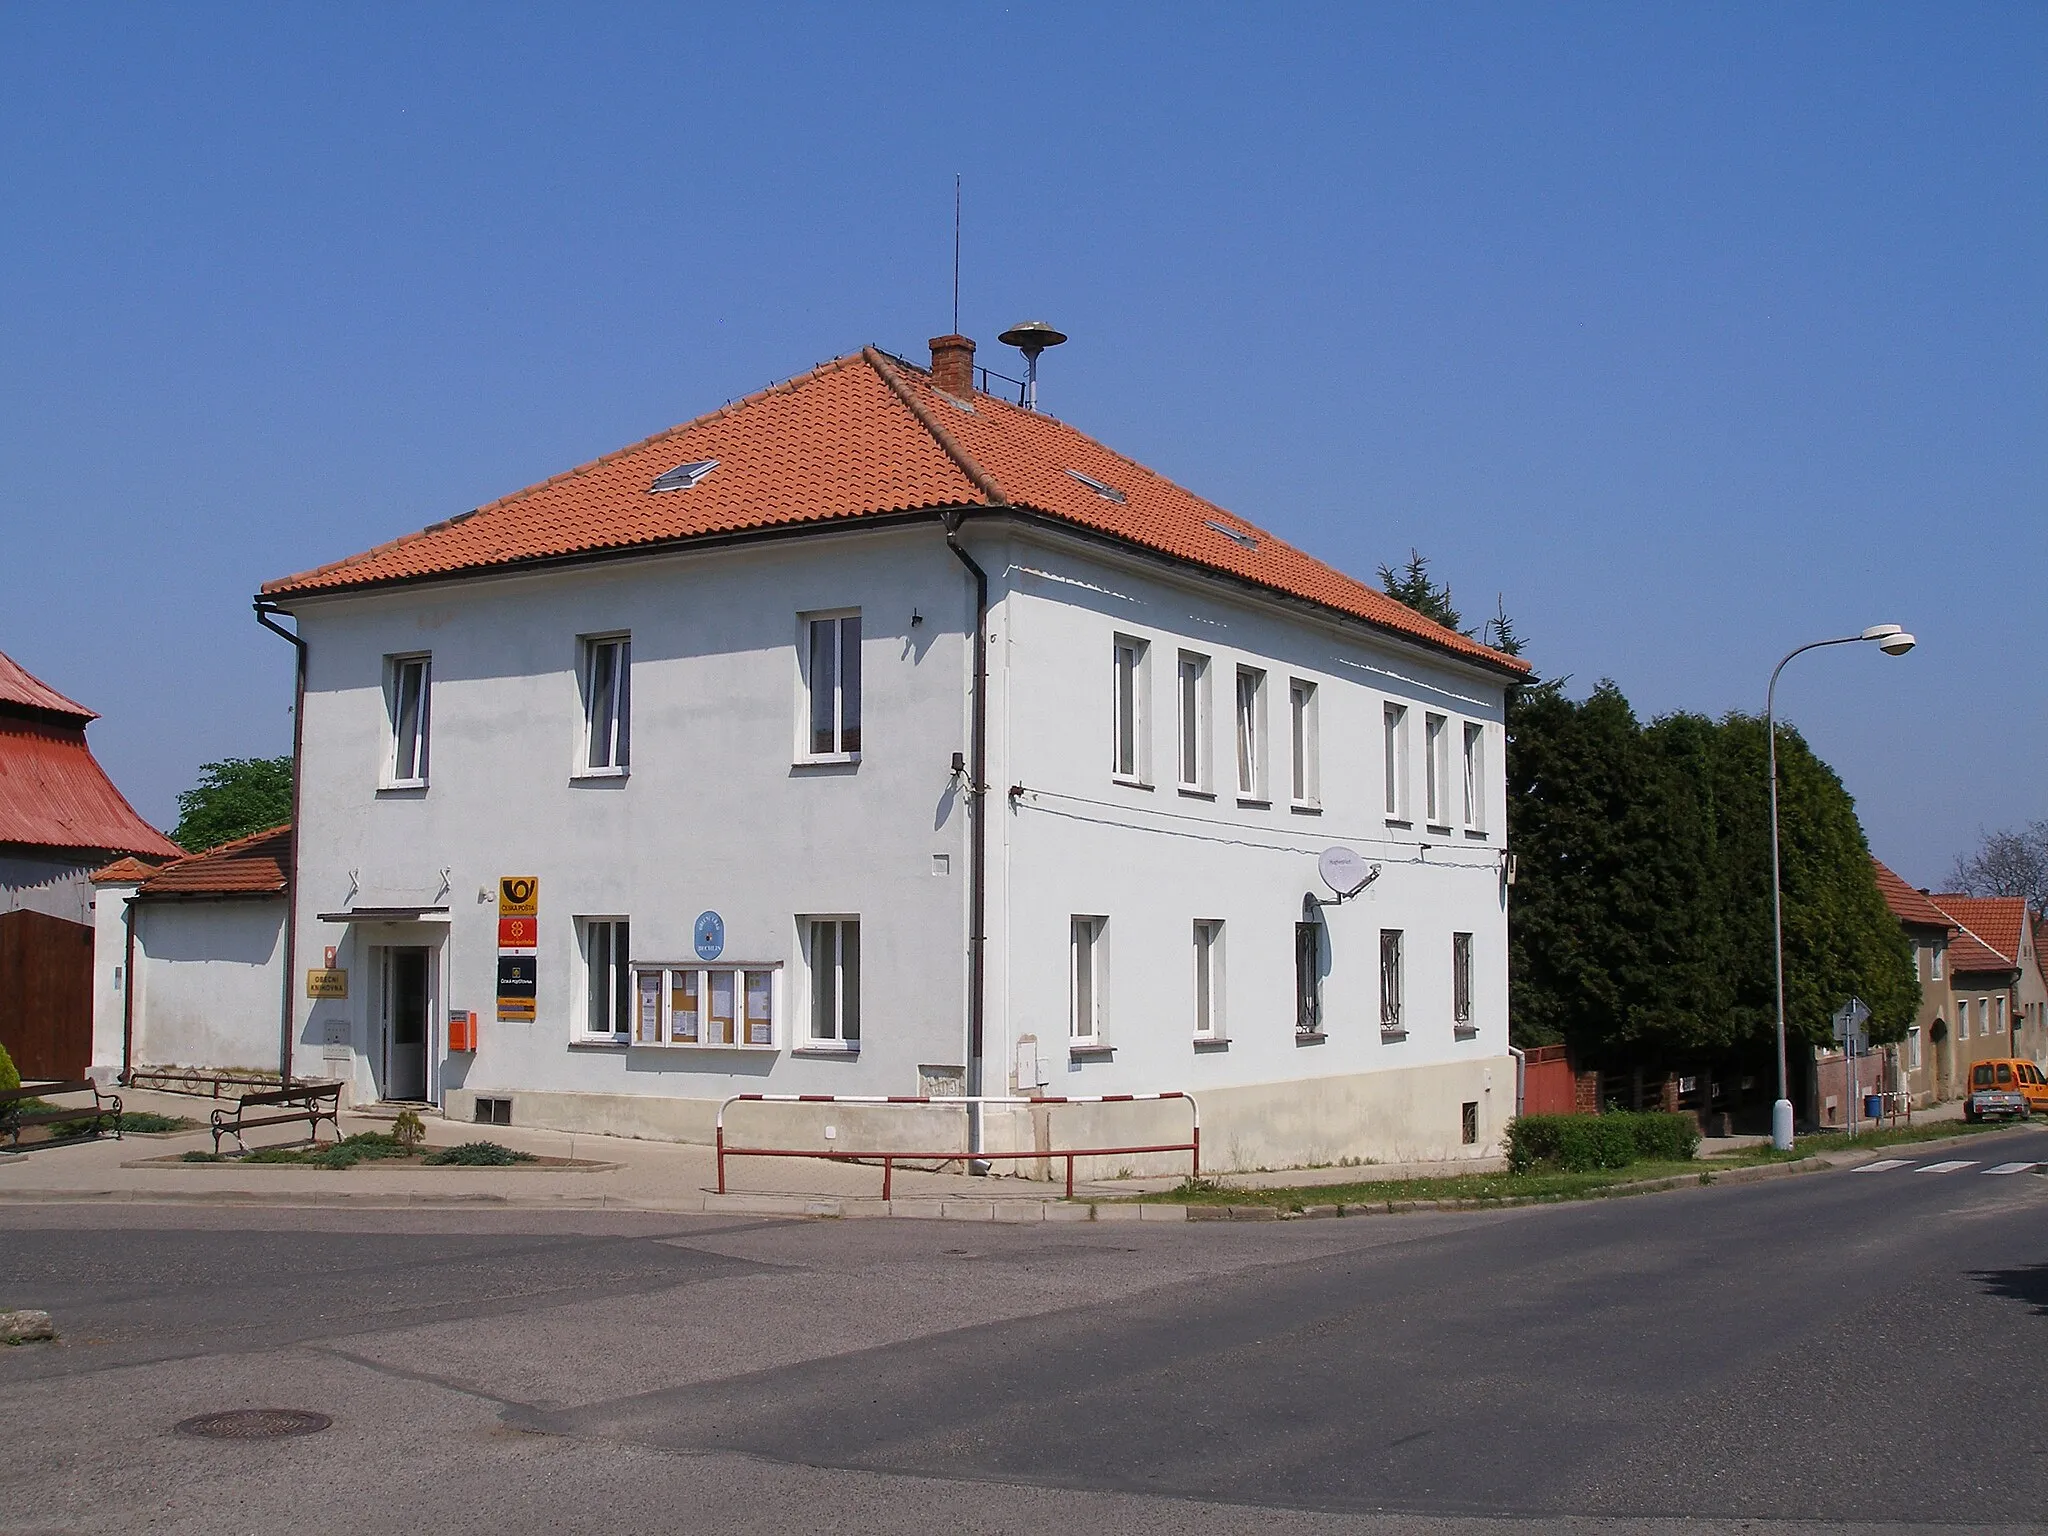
{"x":266,"y":616}
{"x":1521,"y":1074}
{"x":128,"y":990}
{"x":977,"y":850}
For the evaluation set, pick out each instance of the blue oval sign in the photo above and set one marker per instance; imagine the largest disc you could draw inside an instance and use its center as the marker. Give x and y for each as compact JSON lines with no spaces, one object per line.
{"x":710,"y":936}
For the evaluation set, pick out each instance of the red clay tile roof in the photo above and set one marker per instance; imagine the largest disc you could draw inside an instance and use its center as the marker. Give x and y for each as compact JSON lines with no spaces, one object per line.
{"x":127,"y":871}
{"x":863,"y":436}
{"x":54,"y":794}
{"x":1990,"y":940}
{"x":21,"y":690}
{"x":252,"y":865}
{"x":1908,"y":905}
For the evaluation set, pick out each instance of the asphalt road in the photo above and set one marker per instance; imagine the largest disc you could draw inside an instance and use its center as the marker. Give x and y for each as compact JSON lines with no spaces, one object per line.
{"x":1843,"y":1350}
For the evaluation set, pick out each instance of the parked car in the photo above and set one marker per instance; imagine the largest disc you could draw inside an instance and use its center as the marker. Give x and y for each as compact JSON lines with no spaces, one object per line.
{"x":2008,"y":1089}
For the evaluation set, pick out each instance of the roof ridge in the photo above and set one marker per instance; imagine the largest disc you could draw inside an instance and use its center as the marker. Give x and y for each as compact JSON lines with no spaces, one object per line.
{"x":984,"y":482}
{"x":830,"y":365}
{"x":232,"y":845}
{"x":1973,"y":933}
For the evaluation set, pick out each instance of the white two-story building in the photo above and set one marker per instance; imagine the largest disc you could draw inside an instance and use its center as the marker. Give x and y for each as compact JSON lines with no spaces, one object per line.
{"x":877,"y":736}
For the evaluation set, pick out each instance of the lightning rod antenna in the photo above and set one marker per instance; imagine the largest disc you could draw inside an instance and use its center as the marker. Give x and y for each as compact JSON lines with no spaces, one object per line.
{"x":956,"y":253}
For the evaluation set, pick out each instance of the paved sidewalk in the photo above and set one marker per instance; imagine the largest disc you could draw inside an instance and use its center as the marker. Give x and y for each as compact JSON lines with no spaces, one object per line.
{"x":629,"y":1174}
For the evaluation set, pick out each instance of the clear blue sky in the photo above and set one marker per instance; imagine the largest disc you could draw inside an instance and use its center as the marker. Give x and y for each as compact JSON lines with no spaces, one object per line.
{"x":1696,"y":331}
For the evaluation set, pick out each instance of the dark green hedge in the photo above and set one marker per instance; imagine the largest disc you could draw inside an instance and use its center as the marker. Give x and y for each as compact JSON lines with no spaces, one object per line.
{"x":1584,"y":1143}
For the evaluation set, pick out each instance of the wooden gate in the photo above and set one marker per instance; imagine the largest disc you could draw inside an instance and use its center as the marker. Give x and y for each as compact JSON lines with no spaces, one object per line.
{"x":46,"y":994}
{"x":1548,"y":1085}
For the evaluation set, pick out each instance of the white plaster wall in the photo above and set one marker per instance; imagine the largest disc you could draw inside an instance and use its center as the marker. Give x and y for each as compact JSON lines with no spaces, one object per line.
{"x":1154,"y":860}
{"x":208,"y":975}
{"x":713,"y":815}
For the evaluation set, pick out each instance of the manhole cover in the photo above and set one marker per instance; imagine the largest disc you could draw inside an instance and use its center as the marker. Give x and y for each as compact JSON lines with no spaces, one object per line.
{"x":254,"y":1424}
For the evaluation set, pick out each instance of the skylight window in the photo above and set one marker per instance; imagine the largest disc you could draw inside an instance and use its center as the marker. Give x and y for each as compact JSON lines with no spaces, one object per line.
{"x":683,"y":476}
{"x":1235,"y":535}
{"x":1106,"y":492}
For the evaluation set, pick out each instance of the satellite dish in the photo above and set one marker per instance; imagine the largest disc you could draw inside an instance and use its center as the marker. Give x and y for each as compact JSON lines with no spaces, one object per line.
{"x":1345,"y":871}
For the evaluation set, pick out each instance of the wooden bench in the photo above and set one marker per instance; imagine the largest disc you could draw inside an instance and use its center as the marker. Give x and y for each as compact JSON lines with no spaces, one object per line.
{"x":310,"y":1102}
{"x":15,"y":1113}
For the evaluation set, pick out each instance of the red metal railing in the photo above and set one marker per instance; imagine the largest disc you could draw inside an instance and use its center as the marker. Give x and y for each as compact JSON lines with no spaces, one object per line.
{"x":892,"y":1156}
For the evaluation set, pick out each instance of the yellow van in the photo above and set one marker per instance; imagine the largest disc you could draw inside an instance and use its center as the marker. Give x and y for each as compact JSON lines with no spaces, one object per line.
{"x":2011,"y":1076}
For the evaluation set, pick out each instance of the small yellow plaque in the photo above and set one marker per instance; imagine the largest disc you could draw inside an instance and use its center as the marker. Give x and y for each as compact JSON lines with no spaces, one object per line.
{"x":327,"y":983}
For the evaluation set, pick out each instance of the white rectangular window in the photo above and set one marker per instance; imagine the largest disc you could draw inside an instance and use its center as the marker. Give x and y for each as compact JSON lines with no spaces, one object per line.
{"x":1475,"y":777}
{"x":608,"y":977}
{"x":832,"y":953}
{"x":1395,"y":721}
{"x":1390,"y":981}
{"x":409,"y":698}
{"x":1913,"y":953}
{"x":1085,"y":967}
{"x":1251,"y":733}
{"x":1130,"y":732}
{"x":1208,"y":979}
{"x":1913,"y":1049}
{"x":1939,"y":960}
{"x":1998,"y":1014}
{"x":1193,"y":693}
{"x":831,"y":676}
{"x":607,"y":703}
{"x":1461,"y":981}
{"x":1436,"y":767}
{"x":729,"y":1006}
{"x":1306,"y":782}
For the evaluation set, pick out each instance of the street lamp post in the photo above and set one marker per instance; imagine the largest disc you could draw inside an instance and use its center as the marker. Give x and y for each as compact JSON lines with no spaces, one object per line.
{"x":1893,"y":641}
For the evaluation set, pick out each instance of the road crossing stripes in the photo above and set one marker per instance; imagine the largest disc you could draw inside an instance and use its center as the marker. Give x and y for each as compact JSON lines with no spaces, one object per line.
{"x":1952,"y":1165}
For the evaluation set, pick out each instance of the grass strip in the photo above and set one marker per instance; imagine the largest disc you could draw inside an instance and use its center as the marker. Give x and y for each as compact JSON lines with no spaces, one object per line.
{"x":1537,"y":1184}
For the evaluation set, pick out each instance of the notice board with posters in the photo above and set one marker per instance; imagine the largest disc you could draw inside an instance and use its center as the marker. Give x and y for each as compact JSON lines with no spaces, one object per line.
{"x":518,"y":948}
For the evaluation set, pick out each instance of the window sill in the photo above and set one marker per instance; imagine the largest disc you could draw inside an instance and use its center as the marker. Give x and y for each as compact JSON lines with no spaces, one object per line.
{"x":402,"y":787}
{"x":1130,"y":781}
{"x":599,"y":773}
{"x":1392,"y":1033}
{"x":1465,"y":1031}
{"x":827,"y":760}
{"x":1196,"y":792}
{"x":1443,"y":827}
{"x":1211,"y":1043}
{"x":1309,"y":1037}
{"x":702,"y":1045}
{"x":831,"y":1052}
{"x":1306,"y":807}
{"x":1400,"y":821}
{"x":1477,"y":834}
{"x":1091,"y":1052}
{"x":1256,"y":802}
{"x":599,"y":1045}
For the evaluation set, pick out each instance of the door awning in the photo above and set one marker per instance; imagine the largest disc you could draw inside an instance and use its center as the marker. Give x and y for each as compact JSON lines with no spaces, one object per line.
{"x":387,"y":915}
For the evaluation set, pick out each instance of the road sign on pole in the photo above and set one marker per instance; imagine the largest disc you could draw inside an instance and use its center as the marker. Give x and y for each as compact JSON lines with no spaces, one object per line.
{"x":1848,"y":1022}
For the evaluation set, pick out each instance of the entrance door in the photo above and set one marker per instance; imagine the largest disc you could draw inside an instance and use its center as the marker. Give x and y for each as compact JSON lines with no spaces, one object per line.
{"x":407,"y":1000}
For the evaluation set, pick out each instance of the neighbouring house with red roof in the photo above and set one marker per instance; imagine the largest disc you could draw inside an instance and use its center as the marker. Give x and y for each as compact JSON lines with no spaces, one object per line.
{"x":874,"y":735}
{"x":189,"y":960}
{"x":60,"y":818}
{"x":1982,"y":994}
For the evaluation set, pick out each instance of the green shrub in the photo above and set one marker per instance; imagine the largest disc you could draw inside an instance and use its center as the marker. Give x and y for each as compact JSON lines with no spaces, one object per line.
{"x":141,"y":1121}
{"x":1665,"y":1138}
{"x":201,"y":1157}
{"x":1588,"y":1143}
{"x":476,"y":1154}
{"x":9,"y":1078}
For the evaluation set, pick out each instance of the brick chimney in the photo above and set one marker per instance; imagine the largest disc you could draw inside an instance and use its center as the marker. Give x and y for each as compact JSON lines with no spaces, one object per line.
{"x":953,"y":365}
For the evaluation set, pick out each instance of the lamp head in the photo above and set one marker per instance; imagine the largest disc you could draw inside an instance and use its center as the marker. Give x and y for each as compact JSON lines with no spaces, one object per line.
{"x":1897,"y":643}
